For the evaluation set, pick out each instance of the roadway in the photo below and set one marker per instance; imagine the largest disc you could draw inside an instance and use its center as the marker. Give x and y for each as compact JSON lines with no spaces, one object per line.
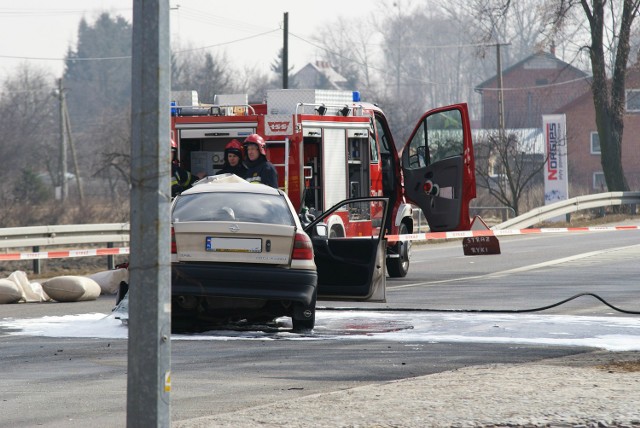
{"x":70,"y":371}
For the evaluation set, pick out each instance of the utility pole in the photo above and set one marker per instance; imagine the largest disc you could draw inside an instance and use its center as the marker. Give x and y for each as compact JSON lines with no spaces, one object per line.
{"x":64,"y":190}
{"x":149,"y":352}
{"x":285,"y":52}
{"x":500,"y":88}
{"x":74,"y":158}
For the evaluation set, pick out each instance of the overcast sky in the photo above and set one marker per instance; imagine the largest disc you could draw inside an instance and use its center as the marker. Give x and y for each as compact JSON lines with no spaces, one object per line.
{"x":41,"y":32}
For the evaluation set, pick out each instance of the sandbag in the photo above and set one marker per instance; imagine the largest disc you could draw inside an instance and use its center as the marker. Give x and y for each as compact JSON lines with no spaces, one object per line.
{"x":71,"y":288}
{"x":9,"y":291}
{"x":109,"y":281}
{"x":31,"y":292}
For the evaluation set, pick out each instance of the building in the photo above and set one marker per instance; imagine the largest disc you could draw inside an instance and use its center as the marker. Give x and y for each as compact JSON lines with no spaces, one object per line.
{"x":583,"y":145}
{"x":539,"y":84}
{"x":320,"y":75}
{"x":542,"y":84}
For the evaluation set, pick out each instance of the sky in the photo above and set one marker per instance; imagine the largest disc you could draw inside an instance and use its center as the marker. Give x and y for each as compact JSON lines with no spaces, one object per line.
{"x":609,"y":333}
{"x":250,"y":31}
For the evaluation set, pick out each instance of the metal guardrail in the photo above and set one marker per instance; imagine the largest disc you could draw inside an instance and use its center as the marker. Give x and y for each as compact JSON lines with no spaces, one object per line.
{"x":70,"y":234}
{"x":579,"y":203}
{"x":504,"y":211}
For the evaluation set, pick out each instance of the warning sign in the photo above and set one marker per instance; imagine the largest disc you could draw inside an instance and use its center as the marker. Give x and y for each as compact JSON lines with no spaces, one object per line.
{"x":480,"y":245}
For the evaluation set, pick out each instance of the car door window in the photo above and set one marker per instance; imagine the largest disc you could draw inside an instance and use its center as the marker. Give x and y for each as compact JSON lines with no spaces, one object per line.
{"x":349,"y":249}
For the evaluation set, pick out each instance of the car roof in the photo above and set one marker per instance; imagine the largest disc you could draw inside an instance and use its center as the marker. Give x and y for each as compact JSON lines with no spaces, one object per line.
{"x":229,"y":183}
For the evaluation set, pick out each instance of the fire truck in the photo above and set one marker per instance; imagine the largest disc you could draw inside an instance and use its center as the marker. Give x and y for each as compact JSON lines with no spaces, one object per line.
{"x":328,"y":146}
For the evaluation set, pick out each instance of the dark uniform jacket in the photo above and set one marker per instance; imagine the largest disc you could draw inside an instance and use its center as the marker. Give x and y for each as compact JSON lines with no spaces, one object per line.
{"x":261,"y":171}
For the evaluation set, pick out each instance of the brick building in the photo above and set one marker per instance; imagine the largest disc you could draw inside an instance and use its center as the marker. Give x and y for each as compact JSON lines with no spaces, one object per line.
{"x":543,"y":84}
{"x":539,"y":84}
{"x":583,"y":146}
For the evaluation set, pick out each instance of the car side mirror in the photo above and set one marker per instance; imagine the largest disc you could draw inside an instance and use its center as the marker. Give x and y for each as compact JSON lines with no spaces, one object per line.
{"x":321,"y":229}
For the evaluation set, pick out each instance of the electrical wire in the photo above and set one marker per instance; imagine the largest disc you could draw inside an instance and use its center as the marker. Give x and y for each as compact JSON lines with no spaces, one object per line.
{"x":486,"y":311}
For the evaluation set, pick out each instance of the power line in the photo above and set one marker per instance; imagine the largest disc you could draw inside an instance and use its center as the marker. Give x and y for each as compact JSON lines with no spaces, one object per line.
{"x":229,"y":42}
{"x":408,"y":77}
{"x":129,"y":56}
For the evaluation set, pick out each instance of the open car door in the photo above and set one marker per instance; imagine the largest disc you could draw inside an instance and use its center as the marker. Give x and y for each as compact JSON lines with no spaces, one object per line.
{"x":350,"y":250}
{"x":438,"y":168}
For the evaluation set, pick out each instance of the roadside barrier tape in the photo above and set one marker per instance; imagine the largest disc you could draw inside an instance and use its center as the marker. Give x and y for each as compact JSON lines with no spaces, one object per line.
{"x":431,"y":236}
{"x":65,"y":254}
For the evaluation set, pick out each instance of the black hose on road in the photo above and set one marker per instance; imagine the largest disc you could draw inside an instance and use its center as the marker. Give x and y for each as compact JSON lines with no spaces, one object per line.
{"x":486,"y":311}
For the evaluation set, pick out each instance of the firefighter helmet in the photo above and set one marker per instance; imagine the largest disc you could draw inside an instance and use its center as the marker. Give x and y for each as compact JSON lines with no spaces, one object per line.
{"x":234,"y":147}
{"x":257,"y":140}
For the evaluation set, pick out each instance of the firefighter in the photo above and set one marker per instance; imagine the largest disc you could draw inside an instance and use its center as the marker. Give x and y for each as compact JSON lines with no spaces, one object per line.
{"x":233,"y":160}
{"x":181,"y":179}
{"x":259,"y":169}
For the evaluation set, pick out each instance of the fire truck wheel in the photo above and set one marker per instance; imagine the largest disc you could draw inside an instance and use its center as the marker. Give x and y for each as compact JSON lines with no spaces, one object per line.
{"x":336,"y":232}
{"x":398,"y":267}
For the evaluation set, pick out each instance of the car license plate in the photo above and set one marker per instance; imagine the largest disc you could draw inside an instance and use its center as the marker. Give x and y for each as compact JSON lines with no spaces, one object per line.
{"x":233,"y":245}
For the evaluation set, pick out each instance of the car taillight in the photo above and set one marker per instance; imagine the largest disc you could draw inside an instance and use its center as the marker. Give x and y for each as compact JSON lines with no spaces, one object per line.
{"x":302,"y":247}
{"x":174,"y":249}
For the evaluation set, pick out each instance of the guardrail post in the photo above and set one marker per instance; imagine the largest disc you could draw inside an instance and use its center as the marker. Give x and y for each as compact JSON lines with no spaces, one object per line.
{"x":110,"y":259}
{"x":36,"y":262}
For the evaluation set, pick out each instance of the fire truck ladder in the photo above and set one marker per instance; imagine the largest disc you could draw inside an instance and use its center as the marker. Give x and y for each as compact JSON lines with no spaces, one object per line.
{"x":285,"y":165}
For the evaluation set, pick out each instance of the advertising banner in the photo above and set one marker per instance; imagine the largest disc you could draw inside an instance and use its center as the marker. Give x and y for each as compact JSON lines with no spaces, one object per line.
{"x":556,"y":177}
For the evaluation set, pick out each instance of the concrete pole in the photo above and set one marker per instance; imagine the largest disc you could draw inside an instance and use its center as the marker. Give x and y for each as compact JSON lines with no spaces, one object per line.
{"x":64,"y":189}
{"x":500,"y":91}
{"x":149,"y":352}
{"x":285,"y":53}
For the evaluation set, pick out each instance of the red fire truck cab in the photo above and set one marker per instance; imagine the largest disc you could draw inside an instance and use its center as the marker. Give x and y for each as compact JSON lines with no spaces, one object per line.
{"x":328,"y":146}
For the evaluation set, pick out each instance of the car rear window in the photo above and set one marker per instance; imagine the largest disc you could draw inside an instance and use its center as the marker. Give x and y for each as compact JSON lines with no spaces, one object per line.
{"x":240,"y":207}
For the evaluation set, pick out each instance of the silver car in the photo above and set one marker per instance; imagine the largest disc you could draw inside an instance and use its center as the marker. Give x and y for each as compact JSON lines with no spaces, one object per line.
{"x":240,"y":253}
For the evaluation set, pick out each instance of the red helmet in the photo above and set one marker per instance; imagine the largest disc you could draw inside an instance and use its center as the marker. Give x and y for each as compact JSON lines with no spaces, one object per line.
{"x":234,"y":147}
{"x":258,"y":141}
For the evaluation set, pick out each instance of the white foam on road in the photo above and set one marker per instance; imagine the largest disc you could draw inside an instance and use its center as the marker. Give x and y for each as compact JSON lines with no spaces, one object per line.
{"x":610,"y":333}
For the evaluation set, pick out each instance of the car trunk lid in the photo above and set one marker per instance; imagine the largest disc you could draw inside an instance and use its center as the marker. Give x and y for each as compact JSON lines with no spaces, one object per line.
{"x":234,"y":242}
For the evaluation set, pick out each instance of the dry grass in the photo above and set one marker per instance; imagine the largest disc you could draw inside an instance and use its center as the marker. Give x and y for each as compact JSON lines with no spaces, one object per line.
{"x":621,"y":367}
{"x":587,"y":220}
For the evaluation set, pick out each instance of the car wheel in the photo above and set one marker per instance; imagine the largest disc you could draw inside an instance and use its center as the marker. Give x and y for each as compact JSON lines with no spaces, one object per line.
{"x":304,"y":316}
{"x":398,"y":267}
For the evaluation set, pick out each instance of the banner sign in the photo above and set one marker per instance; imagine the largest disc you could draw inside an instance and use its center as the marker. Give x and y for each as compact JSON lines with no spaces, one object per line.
{"x":556,"y":177}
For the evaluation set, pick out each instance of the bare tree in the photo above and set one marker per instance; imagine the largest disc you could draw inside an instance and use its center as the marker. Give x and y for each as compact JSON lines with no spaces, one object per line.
{"x":346,"y":45}
{"x":609,"y":21}
{"x":208,"y":74}
{"x":29,"y":124}
{"x":516,"y":23}
{"x":254,"y":83}
{"x":508,"y":166}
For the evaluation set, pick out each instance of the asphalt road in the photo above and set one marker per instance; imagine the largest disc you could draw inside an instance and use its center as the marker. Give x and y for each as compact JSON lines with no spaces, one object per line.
{"x":81,"y":381}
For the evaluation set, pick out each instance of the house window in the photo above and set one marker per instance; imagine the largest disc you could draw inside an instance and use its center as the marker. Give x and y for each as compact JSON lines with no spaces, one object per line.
{"x":598,"y":182}
{"x":633,"y":100}
{"x":595,"y":143}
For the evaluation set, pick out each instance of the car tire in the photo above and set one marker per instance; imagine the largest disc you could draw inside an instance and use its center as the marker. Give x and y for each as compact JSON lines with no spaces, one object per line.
{"x":304,"y":316}
{"x":398,"y":267}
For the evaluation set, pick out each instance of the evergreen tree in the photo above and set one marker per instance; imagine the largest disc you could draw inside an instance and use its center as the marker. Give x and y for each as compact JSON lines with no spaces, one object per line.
{"x":98,"y":72}
{"x":277,"y":66}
